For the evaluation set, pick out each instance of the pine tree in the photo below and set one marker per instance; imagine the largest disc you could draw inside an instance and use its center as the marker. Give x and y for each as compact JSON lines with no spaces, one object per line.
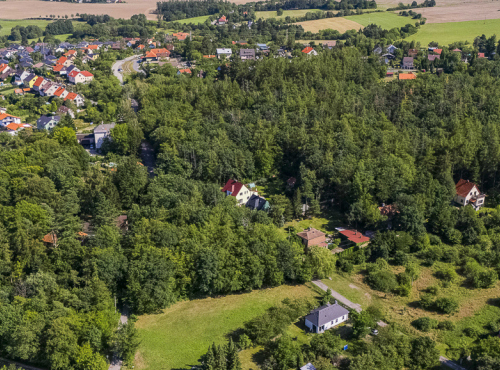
{"x":297,"y":204}
{"x":220,"y":357}
{"x":233,"y":360}
{"x":210,"y":359}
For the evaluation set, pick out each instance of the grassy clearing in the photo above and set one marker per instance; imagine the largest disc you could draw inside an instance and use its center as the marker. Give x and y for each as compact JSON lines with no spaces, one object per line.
{"x":178,"y":336}
{"x":7,"y":25}
{"x":195,"y":20}
{"x":386,"y":20}
{"x":340,"y":24}
{"x":447,"y":33}
{"x":286,"y":13}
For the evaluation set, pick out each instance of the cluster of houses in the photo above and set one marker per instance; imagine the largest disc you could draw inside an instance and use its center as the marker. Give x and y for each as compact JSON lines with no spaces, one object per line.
{"x":246,"y":195}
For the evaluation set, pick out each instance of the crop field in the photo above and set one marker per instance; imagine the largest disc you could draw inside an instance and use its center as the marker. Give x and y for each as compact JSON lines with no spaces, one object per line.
{"x":447,"y":33}
{"x":386,"y":20}
{"x":340,"y":24}
{"x":195,"y":20}
{"x":177,"y":337}
{"x":286,"y":13}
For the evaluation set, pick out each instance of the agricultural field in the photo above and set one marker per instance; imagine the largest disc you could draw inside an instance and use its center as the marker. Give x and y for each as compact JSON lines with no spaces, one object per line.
{"x":386,"y":20}
{"x":7,"y":25}
{"x":340,"y":24}
{"x":286,"y":13}
{"x":447,"y":33}
{"x":195,"y":20}
{"x":198,"y":323}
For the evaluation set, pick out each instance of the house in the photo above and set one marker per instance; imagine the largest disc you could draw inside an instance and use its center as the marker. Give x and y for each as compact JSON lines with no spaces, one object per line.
{"x":329,"y":44}
{"x":326,"y":317}
{"x":80,"y":77}
{"x":150,"y":57}
{"x":38,"y":83}
{"x":238,"y":190}
{"x":5,"y":119}
{"x":209,"y":56}
{"x":407,"y":76}
{"x":378,"y":50}
{"x":86,"y":140}
{"x":224,"y":52}
{"x":14,"y":128}
{"x":480,"y":55}
{"x":388,"y":58}
{"x":182,"y":71}
{"x":353,"y":235}
{"x":222,"y":20}
{"x":47,"y":122}
{"x":75,"y":98}
{"x":407,"y":63}
{"x":312,"y":237}
{"x":468,"y":193}
{"x":30,"y":80}
{"x":456,"y":50}
{"x":412,"y":53}
{"x":71,"y":54}
{"x":49,"y":89}
{"x":181,"y":36}
{"x":258,"y":203}
{"x":391,"y":49}
{"x":61,"y":92}
{"x":161,"y":53}
{"x":247,"y":54}
{"x":308,"y":366}
{"x":310,"y":51}
{"x":50,"y":239}
{"x":438,"y":51}
{"x":101,"y":133}
{"x":432,"y":58}
{"x":263,"y":47}
{"x":65,"y":110}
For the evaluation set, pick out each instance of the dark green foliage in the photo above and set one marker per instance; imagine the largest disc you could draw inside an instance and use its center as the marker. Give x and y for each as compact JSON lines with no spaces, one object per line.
{"x":446,"y":325}
{"x":425,"y":324}
{"x":446,"y":305}
{"x":361,"y":323}
{"x":127,"y":341}
{"x":59,"y":27}
{"x":384,"y":280}
{"x":424,"y":354}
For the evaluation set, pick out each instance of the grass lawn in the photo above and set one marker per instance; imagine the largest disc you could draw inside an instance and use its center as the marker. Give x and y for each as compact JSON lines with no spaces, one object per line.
{"x":386,"y":20}
{"x":286,"y":13}
{"x":447,"y":33}
{"x":7,"y":25}
{"x":195,"y":20}
{"x":7,"y":87}
{"x":178,"y":336}
{"x":340,"y":24}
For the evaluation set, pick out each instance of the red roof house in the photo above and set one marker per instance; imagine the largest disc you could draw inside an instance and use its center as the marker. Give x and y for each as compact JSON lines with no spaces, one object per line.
{"x":354,"y":236}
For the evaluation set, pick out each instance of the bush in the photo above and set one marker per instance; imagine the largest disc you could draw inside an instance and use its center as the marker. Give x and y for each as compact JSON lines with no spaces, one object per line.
{"x":344,"y":265}
{"x":471,"y":332}
{"x":401,"y":258}
{"x":434,"y":290}
{"x":446,"y":305}
{"x":447,"y":274}
{"x":426,"y":302}
{"x":384,"y":281}
{"x":446,"y":325}
{"x":425,"y":324}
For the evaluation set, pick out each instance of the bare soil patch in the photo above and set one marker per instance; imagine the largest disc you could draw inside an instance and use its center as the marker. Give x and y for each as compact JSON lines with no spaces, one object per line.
{"x":464,"y":11}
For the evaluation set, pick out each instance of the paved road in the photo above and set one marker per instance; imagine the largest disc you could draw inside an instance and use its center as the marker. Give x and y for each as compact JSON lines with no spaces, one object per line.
{"x":338,"y":296}
{"x":450,"y":364}
{"x":119,"y":65}
{"x":116,"y":363}
{"x":148,"y":157}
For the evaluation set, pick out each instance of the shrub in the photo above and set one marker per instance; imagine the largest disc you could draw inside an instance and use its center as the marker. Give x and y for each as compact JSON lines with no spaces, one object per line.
{"x":493,"y":326}
{"x":447,"y":274}
{"x":425,"y":324}
{"x":434,"y":290}
{"x":384,"y":281}
{"x":471,"y":332}
{"x":446,"y":305}
{"x":401,"y":258}
{"x":344,"y":265}
{"x":446,"y":325}
{"x":426,"y":302}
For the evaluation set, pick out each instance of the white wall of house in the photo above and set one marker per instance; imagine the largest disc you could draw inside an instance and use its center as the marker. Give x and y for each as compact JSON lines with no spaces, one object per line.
{"x":328,"y":325}
{"x":99,"y":139}
{"x":244,"y":195}
{"x":9,"y":119}
{"x":464,"y":201}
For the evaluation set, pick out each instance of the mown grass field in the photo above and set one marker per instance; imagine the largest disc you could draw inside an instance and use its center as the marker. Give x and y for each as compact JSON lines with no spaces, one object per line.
{"x":178,"y":336}
{"x":386,"y":20}
{"x":338,"y":23}
{"x":195,"y":20}
{"x":447,"y":33}
{"x":7,"y":25}
{"x":286,"y":13}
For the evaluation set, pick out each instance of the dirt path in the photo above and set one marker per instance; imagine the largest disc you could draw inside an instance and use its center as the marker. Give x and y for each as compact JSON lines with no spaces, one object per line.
{"x":339,"y":297}
{"x":450,"y":364}
{"x":116,"y":363}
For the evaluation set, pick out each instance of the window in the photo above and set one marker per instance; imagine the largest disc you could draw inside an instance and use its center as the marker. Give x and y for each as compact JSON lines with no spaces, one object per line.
{"x":479,"y":202}
{"x":336,"y":320}
{"x":461,"y":200}
{"x":331,"y":323}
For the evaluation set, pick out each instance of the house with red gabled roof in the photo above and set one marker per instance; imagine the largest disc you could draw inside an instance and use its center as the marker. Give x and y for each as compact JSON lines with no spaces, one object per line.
{"x":71,"y":54}
{"x":6,"y":119}
{"x":14,"y":128}
{"x":468,"y":193}
{"x":161,"y":53}
{"x":38,"y":83}
{"x":75,"y":98}
{"x":181,"y":36}
{"x":310,"y":51}
{"x":150,"y":57}
{"x":182,"y":71}
{"x":353,"y":236}
{"x":222,"y":20}
{"x":61,"y":92}
{"x":58,"y":68}
{"x":481,"y":55}
{"x":238,"y":190}
{"x":77,"y":77}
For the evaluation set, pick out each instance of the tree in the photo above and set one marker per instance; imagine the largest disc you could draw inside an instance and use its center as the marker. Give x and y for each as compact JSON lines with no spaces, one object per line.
{"x":130,"y":178}
{"x":326,"y":345}
{"x":127,"y":341}
{"x":232,"y":356}
{"x":361,"y":323}
{"x":86,"y":359}
{"x":424,"y":354}
{"x":65,"y":136}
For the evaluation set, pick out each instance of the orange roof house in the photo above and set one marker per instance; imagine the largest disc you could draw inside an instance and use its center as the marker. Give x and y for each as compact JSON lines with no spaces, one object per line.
{"x":468,"y":193}
{"x":354,"y":236}
{"x":181,"y":36}
{"x":71,"y":96}
{"x":185,"y":71}
{"x":438,"y":51}
{"x":140,"y":47}
{"x":208,"y":56}
{"x":59,"y":91}
{"x":407,"y":76}
{"x":311,"y":237}
{"x":38,"y":81}
{"x":57,"y":68}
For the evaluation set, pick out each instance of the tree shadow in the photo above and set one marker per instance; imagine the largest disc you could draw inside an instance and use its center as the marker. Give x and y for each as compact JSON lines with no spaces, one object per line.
{"x":493,"y":302}
{"x":345,"y":332}
{"x":259,"y":357}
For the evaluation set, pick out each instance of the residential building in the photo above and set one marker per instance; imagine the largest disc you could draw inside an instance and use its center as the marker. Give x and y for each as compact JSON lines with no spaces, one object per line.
{"x":224,"y":52}
{"x":247,"y":54}
{"x":326,"y":317}
{"x":407,"y":63}
{"x":5,"y":119}
{"x":161,"y":53}
{"x":407,"y":76}
{"x":391,"y":49}
{"x":308,"y":366}
{"x":184,"y":71}
{"x":432,"y":58}
{"x":352,"y":235}
{"x":313,"y":237}
{"x":258,"y":203}
{"x":238,"y":190}
{"x":412,"y":53}
{"x":13,"y":128}
{"x":77,"y":77}
{"x":30,"y":80}
{"x":61,"y":92}
{"x":101,"y":133}
{"x":329,"y":44}
{"x":75,"y":98}
{"x":47,"y":122}
{"x":86,"y":140}
{"x":468,"y":193}
{"x":309,"y":51}
{"x":65,"y":110}
{"x":222,"y":20}
{"x":150,"y":57}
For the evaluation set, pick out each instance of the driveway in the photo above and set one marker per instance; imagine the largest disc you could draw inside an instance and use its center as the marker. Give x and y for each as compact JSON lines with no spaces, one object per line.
{"x":119,"y":65}
{"x":116,"y":363}
{"x":339,"y":297}
{"x":452,"y":365}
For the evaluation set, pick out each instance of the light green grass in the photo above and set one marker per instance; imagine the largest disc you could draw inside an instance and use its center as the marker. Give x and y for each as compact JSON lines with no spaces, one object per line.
{"x":181,"y":334}
{"x":286,"y":13}
{"x":195,"y":20}
{"x":386,"y":20}
{"x":447,"y":33}
{"x":7,"y":25}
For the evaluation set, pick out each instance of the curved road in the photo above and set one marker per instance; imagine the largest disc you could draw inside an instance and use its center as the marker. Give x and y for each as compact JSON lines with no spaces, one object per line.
{"x":119,"y":65}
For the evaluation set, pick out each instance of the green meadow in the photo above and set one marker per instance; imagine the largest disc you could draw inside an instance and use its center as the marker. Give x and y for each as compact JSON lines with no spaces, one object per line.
{"x":286,"y":13}
{"x":386,"y":20}
{"x":195,"y":20}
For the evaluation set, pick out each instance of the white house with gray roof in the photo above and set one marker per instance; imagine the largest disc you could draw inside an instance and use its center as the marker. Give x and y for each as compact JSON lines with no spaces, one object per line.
{"x":326,"y":317}
{"x":102,"y":132}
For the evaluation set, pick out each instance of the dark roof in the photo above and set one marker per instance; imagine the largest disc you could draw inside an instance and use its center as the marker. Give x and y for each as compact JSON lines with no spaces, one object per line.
{"x":247,"y":52}
{"x":324,"y":314}
{"x":43,"y":120}
{"x":256,"y":202}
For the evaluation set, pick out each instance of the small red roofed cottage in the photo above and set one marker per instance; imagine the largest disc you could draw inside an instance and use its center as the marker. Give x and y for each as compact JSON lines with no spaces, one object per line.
{"x":310,"y":51}
{"x":238,"y":190}
{"x":468,"y":193}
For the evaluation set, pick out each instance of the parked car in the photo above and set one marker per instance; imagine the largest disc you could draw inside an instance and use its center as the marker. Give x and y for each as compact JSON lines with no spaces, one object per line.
{"x":374,"y":332}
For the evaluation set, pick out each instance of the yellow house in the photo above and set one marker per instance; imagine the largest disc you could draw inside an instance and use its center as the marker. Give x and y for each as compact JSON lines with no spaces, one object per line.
{"x":30,"y":80}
